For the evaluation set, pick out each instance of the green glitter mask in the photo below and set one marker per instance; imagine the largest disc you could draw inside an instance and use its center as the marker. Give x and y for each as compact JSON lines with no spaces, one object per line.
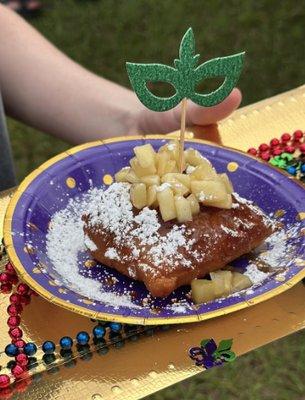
{"x":185,"y":77}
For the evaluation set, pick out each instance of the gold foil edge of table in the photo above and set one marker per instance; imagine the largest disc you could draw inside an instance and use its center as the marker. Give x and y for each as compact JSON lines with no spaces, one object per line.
{"x":153,"y":363}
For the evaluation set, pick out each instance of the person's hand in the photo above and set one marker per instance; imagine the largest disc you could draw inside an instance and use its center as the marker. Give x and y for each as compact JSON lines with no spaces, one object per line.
{"x":163,"y":122}
{"x":46,"y":90}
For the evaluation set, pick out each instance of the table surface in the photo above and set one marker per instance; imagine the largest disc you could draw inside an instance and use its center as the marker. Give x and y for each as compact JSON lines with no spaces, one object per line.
{"x":155,"y":362}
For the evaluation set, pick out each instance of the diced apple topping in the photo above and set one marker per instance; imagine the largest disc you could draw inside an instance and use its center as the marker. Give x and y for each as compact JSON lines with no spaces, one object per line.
{"x":150,"y":180}
{"x":180,"y":194}
{"x":222,"y":284}
{"x":228,"y":184}
{"x":162,"y":160}
{"x":145,"y":155}
{"x":152,"y":196}
{"x":203,"y":171}
{"x":126,"y":175}
{"x":203,"y":291}
{"x":208,"y":191}
{"x":240,"y":282}
{"x":183,"y":209}
{"x":138,"y":195}
{"x":195,"y":208}
{"x":141,"y":171}
{"x":165,"y":197}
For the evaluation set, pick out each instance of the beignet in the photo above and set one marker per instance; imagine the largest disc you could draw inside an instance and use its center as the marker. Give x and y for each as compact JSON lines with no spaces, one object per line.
{"x":167,"y":255}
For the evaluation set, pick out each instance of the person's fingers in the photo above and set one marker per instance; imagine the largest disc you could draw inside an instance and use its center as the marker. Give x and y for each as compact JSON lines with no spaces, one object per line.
{"x":197,"y":115}
{"x":168,"y":121}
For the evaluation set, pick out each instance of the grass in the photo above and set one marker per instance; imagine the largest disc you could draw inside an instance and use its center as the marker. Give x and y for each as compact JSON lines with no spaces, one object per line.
{"x":102,"y":35}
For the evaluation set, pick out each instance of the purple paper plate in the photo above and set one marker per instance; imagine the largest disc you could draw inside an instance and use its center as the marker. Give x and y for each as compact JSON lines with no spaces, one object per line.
{"x":70,"y":175}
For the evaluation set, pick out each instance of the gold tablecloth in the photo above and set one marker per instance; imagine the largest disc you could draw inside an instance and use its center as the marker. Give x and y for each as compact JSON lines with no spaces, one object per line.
{"x":154,"y":362}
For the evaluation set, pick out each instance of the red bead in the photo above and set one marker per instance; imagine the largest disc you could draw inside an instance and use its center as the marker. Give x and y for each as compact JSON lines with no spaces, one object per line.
{"x":32,"y":293}
{"x":9,"y":268}
{"x":14,"y":309}
{"x":4,"y":277}
{"x":15,"y":298}
{"x":17,"y":371}
{"x":289,"y":149}
{"x":277,"y":151}
{"x":26,"y":299}
{"x":274,"y":142}
{"x":265,"y":156}
{"x":263,"y":147}
{"x":22,"y":385}
{"x":15,"y":333}
{"x":297,"y":135}
{"x":13,"y":321}
{"x":6,"y":393}
{"x":285,"y":137}
{"x":252,"y":151}
{"x":22,"y":359}
{"x":14,"y":279}
{"x":22,"y":288}
{"x":6,"y":288}
{"x":302,"y":148}
{"x":20,"y":343}
{"x":4,"y":381}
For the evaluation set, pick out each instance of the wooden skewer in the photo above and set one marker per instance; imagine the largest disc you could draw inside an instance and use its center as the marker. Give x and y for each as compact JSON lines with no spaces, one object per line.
{"x":182,"y":135}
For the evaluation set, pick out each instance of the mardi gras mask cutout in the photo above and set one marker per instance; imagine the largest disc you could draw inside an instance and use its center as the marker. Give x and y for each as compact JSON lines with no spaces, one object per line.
{"x":185,"y":77}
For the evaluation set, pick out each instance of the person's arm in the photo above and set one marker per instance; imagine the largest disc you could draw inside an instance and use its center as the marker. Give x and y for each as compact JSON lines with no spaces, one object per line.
{"x":45,"y":89}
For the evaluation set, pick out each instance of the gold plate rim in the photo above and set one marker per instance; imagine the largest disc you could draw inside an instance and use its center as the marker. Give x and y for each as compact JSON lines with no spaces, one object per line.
{"x":114,"y":317}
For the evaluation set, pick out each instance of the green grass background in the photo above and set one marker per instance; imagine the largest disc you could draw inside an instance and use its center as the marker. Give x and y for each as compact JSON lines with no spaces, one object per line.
{"x":102,"y":35}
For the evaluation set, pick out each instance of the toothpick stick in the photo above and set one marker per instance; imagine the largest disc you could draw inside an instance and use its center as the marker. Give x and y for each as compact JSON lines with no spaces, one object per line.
{"x":182,"y":134}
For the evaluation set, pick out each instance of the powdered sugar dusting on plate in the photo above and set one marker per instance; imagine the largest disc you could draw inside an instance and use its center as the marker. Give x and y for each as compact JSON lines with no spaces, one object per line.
{"x":254,"y":274}
{"x":277,"y":255}
{"x":66,"y":240}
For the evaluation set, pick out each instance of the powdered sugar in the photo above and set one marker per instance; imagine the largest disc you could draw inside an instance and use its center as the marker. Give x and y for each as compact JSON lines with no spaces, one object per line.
{"x":276,"y":256}
{"x":279,"y":247}
{"x":89,"y":244}
{"x":66,"y":240}
{"x":245,"y":224}
{"x":167,"y":246}
{"x":147,"y":227}
{"x":240,"y":199}
{"x":255,"y":275}
{"x":190,"y":169}
{"x":229,"y":231}
{"x":267,"y":221}
{"x":112,"y":254}
{"x":113,"y":208}
{"x":164,"y":186}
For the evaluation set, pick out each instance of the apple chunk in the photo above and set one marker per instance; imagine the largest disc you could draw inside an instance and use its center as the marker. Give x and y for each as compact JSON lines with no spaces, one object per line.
{"x":183,"y":209}
{"x":138,"y":195}
{"x":203,"y":291}
{"x":165,"y":197}
{"x":145,"y":155}
{"x":223,"y":282}
{"x":240,"y":282}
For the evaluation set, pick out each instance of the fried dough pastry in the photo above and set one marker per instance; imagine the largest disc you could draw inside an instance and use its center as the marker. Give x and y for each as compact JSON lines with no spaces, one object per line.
{"x":167,"y":255}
